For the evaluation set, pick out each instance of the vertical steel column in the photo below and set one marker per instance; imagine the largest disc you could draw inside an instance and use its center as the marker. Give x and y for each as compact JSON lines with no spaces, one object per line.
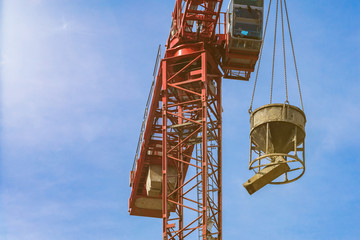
{"x":181,"y":178}
{"x":204,"y":143}
{"x":219,"y":110}
{"x":164,"y":150}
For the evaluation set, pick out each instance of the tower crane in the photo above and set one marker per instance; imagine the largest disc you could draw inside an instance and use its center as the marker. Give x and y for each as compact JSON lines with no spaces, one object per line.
{"x":177,"y":170}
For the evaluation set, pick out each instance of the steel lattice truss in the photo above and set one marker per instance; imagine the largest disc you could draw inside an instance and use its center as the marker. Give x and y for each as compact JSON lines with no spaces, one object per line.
{"x":191,"y":117}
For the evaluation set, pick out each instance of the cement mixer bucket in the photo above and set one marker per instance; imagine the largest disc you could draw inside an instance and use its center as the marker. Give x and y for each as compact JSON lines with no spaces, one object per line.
{"x":277,"y":138}
{"x":278,"y":123}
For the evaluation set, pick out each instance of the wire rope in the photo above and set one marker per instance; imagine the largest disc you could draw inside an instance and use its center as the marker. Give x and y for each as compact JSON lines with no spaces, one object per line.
{"x":293,"y":51}
{"x":258,"y":66}
{"x":284,"y":52}
{"x":283,"y":6}
{"x":274,"y":52}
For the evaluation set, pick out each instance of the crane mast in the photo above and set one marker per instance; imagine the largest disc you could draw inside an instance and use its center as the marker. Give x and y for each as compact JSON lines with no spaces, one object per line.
{"x":177,"y":172}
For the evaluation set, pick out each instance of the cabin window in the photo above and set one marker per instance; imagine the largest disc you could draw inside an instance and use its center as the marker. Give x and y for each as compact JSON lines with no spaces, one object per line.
{"x":245,"y":30}
{"x":248,"y":13}
{"x":257,"y":3}
{"x":245,"y":24}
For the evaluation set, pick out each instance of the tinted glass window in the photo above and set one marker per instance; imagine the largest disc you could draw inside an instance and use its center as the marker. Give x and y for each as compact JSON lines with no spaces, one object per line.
{"x":258,"y":3}
{"x":245,"y":30}
{"x":248,"y":13}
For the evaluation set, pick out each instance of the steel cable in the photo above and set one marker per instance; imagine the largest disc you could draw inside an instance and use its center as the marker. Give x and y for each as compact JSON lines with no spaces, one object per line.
{"x":258,"y":67}
{"x":284,"y":52}
{"x":293,"y":51}
{"x":274,"y":53}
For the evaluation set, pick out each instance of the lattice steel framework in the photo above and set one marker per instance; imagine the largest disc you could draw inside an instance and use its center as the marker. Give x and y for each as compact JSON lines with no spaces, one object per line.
{"x":191,"y":116}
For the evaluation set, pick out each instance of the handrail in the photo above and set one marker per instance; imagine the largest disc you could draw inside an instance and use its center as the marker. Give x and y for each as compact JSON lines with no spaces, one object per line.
{"x":146,"y":113}
{"x":221,"y":24}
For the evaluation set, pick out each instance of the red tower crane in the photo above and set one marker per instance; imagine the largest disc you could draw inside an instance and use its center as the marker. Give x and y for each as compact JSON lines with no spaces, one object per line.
{"x":177,"y":171}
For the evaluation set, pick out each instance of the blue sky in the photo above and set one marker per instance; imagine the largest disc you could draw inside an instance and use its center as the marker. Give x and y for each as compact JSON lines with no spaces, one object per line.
{"x":74,"y":81}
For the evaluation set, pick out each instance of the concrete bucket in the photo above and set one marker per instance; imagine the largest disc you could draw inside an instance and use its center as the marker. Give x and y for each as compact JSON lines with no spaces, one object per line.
{"x":277,"y":145}
{"x":274,"y":126}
